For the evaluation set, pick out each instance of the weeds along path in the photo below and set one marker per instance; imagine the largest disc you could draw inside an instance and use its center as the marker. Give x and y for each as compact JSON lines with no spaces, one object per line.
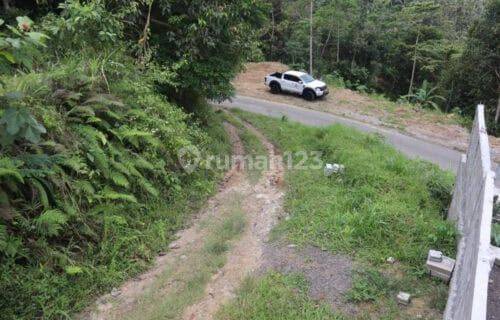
{"x":210,"y":259}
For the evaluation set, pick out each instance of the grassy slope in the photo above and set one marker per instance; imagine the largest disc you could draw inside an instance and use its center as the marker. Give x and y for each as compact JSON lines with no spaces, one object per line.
{"x":383,"y":205}
{"x":102,"y":241}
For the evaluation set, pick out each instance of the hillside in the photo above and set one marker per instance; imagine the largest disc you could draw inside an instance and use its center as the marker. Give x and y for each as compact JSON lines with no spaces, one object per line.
{"x":435,"y":126}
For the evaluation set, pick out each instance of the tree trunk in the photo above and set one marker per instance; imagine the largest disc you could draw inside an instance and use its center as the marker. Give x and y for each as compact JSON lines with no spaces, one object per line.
{"x":6,"y":5}
{"x":272,"y":34}
{"x":311,"y":41}
{"x":497,"y":115}
{"x":338,"y":42}
{"x":410,"y":89}
{"x":326,"y":42}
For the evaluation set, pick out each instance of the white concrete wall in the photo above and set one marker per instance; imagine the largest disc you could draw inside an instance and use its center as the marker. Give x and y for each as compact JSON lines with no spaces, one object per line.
{"x":471,"y":209}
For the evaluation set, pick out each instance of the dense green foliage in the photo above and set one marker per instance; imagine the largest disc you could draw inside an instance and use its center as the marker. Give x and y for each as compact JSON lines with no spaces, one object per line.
{"x":205,"y":40}
{"x":474,"y":76}
{"x":90,"y":184}
{"x":395,"y":47}
{"x":383,"y":205}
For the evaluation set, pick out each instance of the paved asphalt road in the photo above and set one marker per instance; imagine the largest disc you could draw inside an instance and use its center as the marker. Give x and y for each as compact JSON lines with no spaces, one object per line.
{"x":446,"y":158}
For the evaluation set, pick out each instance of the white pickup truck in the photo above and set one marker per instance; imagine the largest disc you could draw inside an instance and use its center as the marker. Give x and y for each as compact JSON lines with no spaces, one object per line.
{"x":296,"y":82}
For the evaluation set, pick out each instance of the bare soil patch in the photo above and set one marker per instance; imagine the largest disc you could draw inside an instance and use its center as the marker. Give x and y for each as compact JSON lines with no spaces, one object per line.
{"x":329,"y":275}
{"x":436,"y":127}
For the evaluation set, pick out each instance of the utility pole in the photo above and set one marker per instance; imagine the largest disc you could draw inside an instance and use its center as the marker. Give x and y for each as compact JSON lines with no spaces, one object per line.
{"x":311,"y":40}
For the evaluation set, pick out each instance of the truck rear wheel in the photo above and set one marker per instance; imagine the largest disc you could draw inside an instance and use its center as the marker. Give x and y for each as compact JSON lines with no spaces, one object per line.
{"x":275,"y":87}
{"x":309,"y":95}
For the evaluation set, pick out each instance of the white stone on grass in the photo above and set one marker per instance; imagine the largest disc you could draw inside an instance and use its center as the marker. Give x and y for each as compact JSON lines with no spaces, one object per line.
{"x":404,"y":298}
{"x":333,"y":168}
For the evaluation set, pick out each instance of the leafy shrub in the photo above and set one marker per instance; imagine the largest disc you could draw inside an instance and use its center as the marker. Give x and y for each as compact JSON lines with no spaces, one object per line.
{"x":19,"y":45}
{"x":90,"y":185}
{"x":425,"y":97}
{"x":335,"y":79}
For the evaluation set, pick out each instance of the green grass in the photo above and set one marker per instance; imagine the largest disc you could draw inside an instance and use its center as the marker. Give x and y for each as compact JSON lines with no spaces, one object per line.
{"x":275,"y":297}
{"x":191,"y":275}
{"x":375,"y":290}
{"x":383,"y":205}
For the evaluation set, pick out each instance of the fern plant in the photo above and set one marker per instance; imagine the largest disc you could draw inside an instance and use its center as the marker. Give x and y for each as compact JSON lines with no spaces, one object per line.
{"x":50,"y":222}
{"x":425,"y":97}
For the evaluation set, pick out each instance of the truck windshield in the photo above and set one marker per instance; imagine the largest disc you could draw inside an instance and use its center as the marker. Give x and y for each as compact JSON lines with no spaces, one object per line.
{"x":307,"y":78}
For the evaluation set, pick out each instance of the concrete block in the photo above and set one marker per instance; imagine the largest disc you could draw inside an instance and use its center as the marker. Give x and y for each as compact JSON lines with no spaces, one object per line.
{"x":443,"y":269}
{"x":435,"y":255}
{"x":443,"y":276}
{"x":404,"y":298}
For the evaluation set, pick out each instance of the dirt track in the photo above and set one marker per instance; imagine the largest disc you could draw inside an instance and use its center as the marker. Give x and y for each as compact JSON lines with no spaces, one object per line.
{"x":262,"y":206}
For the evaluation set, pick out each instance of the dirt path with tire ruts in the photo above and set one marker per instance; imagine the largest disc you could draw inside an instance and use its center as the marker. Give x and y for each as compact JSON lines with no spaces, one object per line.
{"x":172,"y":289}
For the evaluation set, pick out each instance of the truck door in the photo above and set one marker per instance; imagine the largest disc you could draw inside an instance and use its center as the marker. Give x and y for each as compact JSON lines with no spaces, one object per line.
{"x":292,"y":83}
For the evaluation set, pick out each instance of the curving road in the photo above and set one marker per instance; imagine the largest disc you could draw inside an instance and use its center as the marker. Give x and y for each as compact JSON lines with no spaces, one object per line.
{"x":446,"y":158}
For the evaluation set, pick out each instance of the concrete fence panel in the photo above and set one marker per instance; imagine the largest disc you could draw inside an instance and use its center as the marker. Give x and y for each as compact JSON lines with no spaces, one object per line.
{"x":472,"y":208}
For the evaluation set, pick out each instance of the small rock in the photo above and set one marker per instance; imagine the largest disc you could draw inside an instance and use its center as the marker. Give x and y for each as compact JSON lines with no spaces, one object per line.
{"x":183,"y":257}
{"x":115,"y":292}
{"x":292,"y":246}
{"x":391,"y":260}
{"x":333,"y":168}
{"x":404,"y":298}
{"x":161,"y":254}
{"x":174,"y":246}
{"x":287,"y":218}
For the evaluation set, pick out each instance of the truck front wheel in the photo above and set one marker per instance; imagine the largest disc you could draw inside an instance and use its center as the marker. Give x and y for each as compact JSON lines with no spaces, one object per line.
{"x":275,"y":87}
{"x":309,"y":95}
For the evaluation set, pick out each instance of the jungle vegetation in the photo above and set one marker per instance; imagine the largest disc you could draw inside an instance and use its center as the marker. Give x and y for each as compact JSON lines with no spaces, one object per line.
{"x":96,"y":100}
